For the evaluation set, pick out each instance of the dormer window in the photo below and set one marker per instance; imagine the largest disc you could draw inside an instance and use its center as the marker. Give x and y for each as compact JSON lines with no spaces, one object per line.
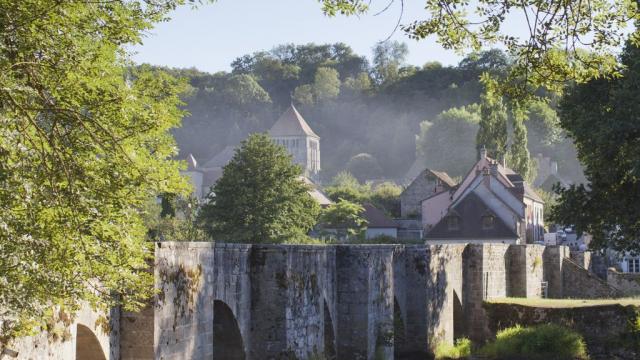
{"x":453,"y":223}
{"x":488,"y":222}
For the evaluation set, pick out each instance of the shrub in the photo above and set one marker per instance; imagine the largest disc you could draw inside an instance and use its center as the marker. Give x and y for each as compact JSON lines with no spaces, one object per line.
{"x":541,"y":342}
{"x":461,"y":350}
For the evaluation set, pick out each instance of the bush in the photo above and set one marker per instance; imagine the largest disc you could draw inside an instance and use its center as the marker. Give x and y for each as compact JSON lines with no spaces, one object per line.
{"x":461,"y":350}
{"x":541,"y":342}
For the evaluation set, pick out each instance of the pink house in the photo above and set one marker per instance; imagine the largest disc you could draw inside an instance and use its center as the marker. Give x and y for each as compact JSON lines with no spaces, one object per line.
{"x":492,"y":203}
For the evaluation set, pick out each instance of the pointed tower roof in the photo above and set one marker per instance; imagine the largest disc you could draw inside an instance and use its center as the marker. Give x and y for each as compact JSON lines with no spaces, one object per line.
{"x":291,"y":123}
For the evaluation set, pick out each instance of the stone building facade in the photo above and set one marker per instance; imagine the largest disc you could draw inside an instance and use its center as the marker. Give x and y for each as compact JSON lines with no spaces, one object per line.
{"x":427,"y":183}
{"x":293,"y":132}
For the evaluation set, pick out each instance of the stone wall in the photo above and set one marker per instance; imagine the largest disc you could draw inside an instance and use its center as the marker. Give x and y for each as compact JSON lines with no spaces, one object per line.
{"x":582,"y":258}
{"x":607,"y":329}
{"x":484,"y":277}
{"x":291,"y":301}
{"x":343,"y":301}
{"x":411,"y":198}
{"x":552,"y":262}
{"x":446,"y":320}
{"x":627,"y":283}
{"x":86,"y":335}
{"x":579,"y":283}
{"x":525,"y":271}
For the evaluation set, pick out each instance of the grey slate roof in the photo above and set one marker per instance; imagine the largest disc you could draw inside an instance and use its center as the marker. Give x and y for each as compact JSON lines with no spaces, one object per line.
{"x":291,"y":123}
{"x":376,"y":218}
{"x":470,"y":211}
{"x":220,"y":159}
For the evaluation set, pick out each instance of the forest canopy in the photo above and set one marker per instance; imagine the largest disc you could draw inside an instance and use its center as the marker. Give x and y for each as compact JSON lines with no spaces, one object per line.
{"x":362,"y":110}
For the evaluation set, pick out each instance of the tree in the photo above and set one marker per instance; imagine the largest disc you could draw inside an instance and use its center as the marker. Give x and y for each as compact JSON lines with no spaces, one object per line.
{"x":245,"y":92}
{"x":344,"y":215}
{"x":603,"y":119}
{"x":364,"y":167}
{"x":386,"y":196}
{"x":448,"y":143}
{"x":326,"y":84}
{"x":388,"y":56}
{"x":518,"y":156}
{"x":548,"y":56}
{"x":84,"y":144}
{"x":260,"y":197}
{"x":345,"y":186}
{"x":492,"y":134}
{"x":543,"y":126}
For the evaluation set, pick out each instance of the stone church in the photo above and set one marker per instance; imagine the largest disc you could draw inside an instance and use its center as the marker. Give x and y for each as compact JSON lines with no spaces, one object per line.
{"x":293,"y":132}
{"x":290,"y":131}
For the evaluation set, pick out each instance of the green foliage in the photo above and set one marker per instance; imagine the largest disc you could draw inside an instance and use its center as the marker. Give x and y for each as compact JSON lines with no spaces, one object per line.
{"x":461,"y":350}
{"x":174,"y":220}
{"x":518,"y":157}
{"x":359,"y":84}
{"x":550,"y":200}
{"x":346,"y":187}
{"x":547,"y":341}
{"x":492,"y":133}
{"x":260,"y":197}
{"x":447,"y":143}
{"x":551,"y":54}
{"x":388,"y":56}
{"x":84,"y":143}
{"x":543,"y":126}
{"x":386,"y":197}
{"x":382,"y":240}
{"x":364,"y":167}
{"x":326,"y":84}
{"x":602,"y":117}
{"x":344,"y":215}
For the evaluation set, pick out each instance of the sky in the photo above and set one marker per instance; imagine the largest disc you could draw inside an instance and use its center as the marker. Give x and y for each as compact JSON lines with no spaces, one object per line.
{"x":210,"y":37}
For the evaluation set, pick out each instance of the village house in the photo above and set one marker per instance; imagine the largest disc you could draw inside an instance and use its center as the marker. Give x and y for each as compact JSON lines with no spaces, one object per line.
{"x":491,"y":204}
{"x":378,"y":223}
{"x":426,"y":183}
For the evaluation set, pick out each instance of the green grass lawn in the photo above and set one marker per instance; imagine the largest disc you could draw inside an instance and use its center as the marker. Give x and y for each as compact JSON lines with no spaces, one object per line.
{"x":565,"y":303}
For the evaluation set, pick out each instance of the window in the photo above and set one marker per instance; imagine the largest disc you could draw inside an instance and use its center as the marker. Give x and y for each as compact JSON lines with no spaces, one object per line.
{"x":633,"y":265}
{"x":487,"y":222}
{"x":453,"y":223}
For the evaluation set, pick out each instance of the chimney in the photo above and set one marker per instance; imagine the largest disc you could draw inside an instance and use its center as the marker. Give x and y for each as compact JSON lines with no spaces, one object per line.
{"x":494,"y":168}
{"x":486,"y":176}
{"x":483,"y":152}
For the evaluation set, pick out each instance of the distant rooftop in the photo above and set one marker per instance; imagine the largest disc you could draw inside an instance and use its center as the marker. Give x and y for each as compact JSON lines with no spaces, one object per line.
{"x":220,"y":159}
{"x":291,"y":123}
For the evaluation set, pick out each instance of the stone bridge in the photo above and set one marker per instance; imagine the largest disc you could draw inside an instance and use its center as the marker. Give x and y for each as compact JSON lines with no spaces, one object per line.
{"x":236,"y":301}
{"x":254,"y":302}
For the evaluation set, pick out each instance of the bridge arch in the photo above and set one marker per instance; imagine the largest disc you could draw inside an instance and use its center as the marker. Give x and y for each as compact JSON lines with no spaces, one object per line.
{"x":459,"y":324}
{"x":87,"y":344}
{"x":399,"y":331}
{"x":227,"y":339}
{"x":329,"y":335}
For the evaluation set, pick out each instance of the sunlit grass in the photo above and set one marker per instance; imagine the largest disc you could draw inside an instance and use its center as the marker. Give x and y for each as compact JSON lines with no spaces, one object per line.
{"x":565,"y":303}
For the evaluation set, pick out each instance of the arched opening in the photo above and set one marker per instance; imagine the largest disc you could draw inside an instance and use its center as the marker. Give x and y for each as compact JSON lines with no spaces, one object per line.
{"x":399,"y":333}
{"x":227,"y":340}
{"x":87,"y":345}
{"x":329,"y":336}
{"x":458,"y":318}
